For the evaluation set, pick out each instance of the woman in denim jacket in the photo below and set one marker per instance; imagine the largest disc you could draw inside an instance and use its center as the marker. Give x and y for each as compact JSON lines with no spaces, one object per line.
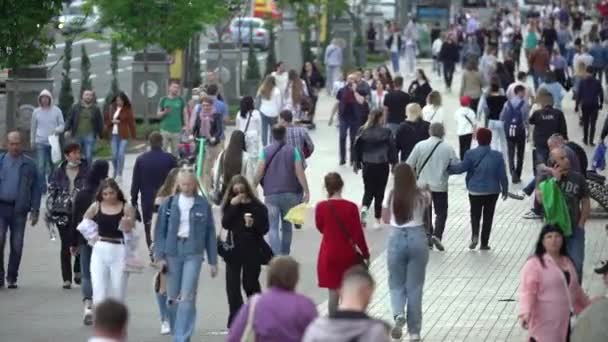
{"x":486,"y":179}
{"x":184,"y":231}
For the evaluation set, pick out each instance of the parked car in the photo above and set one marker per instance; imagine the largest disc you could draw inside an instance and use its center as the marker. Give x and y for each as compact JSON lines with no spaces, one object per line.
{"x":75,"y":18}
{"x":261,"y":36}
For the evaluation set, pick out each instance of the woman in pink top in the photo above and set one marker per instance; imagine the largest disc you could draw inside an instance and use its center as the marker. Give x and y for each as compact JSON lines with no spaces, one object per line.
{"x":549,"y":292}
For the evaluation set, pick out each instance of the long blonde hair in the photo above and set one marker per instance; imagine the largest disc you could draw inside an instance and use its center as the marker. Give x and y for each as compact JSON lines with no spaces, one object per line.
{"x":296,"y":86}
{"x":170,"y":184}
{"x":267,"y":86}
{"x":374,"y":118}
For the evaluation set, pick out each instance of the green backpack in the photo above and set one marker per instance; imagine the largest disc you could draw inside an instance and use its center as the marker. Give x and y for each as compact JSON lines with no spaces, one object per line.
{"x":555,"y":209}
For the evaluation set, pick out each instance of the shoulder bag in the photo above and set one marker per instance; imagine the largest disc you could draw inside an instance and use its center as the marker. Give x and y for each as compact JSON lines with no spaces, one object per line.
{"x":269,"y":162}
{"x":419,"y":171}
{"x":361,"y":260}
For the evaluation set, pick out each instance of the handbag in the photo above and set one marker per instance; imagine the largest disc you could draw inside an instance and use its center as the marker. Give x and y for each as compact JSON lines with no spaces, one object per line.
{"x":225,"y":248}
{"x":361,"y":260}
{"x":249,"y":332}
{"x":266,"y":253}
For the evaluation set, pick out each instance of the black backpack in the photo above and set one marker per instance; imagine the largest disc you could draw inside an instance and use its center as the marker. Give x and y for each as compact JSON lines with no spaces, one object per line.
{"x":514,"y":121}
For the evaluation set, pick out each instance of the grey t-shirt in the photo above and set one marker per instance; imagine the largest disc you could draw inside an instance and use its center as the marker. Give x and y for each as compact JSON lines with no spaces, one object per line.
{"x":574,"y":187}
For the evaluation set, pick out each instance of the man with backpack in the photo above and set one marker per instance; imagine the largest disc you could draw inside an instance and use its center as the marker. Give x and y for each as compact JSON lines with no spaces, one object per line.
{"x":514,"y":116}
{"x":173,"y":115}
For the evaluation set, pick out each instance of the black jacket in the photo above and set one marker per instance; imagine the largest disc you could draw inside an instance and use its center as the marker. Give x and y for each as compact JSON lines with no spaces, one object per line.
{"x":389,"y":42}
{"x":419,"y":92}
{"x":149,"y":172}
{"x":246,"y":239}
{"x":216,"y":130}
{"x":409,"y":134}
{"x":375,"y":145}
{"x":449,"y":53}
{"x":589,"y":94}
{"x":82,"y":201}
{"x":73,"y":120}
{"x":547,"y":121}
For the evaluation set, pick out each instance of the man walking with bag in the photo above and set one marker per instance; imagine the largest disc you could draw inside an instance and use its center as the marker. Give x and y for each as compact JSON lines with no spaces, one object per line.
{"x":430,"y":159}
{"x":514,"y":116}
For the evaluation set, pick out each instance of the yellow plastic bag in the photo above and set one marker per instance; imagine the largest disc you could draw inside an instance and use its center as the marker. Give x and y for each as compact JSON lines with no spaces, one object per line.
{"x":297,"y":214}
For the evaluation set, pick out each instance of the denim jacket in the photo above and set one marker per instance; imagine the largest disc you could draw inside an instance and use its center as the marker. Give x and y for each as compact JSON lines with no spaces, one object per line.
{"x":30,"y":187}
{"x":202,"y":230}
{"x":485,"y":170}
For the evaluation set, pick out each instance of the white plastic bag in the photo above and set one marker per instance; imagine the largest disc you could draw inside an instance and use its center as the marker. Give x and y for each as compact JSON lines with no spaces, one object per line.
{"x":55,"y":148}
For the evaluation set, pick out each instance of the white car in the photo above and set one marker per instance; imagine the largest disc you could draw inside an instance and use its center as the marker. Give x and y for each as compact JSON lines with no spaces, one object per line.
{"x":260,"y":35}
{"x":75,"y":19}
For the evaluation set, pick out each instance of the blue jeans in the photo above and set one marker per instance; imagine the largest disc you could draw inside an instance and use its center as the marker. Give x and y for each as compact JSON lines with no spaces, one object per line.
{"x":349,"y":124}
{"x":267,"y":123}
{"x":407,"y":257}
{"x":182,"y":282}
{"x":16,"y":225}
{"x":119,"y":148}
{"x":86,"y":286}
{"x":576,"y":249}
{"x":538,"y":78}
{"x":278,"y":205}
{"x":393,"y":127}
{"x":161,"y":299}
{"x":44,"y":163}
{"x":395,"y":61}
{"x":87,"y":143}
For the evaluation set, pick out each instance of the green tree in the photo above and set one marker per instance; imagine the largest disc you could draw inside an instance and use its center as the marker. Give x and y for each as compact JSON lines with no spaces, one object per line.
{"x":253,"y":67}
{"x":114,"y":87}
{"x":138,"y":24}
{"x":85,"y":71}
{"x":271,"y":57}
{"x":25,"y":33}
{"x":66,"y":99}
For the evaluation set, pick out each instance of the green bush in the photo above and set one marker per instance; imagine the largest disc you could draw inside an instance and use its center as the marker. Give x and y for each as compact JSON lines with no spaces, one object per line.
{"x":253,"y":67}
{"x":66,"y":97}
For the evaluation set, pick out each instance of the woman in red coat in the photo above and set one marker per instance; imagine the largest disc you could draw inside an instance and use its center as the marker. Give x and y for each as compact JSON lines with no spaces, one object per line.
{"x":343,"y":244}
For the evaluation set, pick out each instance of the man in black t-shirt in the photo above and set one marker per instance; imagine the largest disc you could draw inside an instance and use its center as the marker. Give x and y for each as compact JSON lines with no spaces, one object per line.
{"x":394,"y":105}
{"x":350,"y":113}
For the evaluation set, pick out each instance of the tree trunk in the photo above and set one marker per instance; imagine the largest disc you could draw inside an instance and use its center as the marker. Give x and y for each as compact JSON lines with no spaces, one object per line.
{"x":239,"y":67}
{"x":146,"y":99}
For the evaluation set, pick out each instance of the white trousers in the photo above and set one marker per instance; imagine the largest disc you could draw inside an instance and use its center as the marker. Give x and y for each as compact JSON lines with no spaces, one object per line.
{"x":108,"y":275}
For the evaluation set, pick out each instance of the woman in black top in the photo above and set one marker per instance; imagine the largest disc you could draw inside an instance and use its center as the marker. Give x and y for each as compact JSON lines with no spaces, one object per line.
{"x":79,"y":246}
{"x":314,"y":82}
{"x":246,"y":219}
{"x":492,"y":107}
{"x":420,"y":88}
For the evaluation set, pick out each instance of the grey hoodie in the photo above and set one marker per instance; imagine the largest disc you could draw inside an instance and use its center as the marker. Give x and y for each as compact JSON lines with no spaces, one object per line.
{"x":325,"y":329}
{"x":46,"y":121}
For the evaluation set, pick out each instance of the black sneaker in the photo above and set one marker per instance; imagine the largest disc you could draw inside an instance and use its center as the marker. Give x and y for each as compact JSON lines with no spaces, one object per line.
{"x":474,"y":242}
{"x":516,"y":195}
{"x":397,"y":331}
{"x":437,"y":243}
{"x":297,"y":226}
{"x":77,"y":279}
{"x":603,"y":268}
{"x":484,"y":248}
{"x":11,"y":285}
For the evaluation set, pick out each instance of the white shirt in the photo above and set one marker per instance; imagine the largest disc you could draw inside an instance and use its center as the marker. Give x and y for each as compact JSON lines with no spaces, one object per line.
{"x":529,"y":90}
{"x":281,"y":80}
{"x":432,"y":114}
{"x":252,"y":134}
{"x":417,"y":219}
{"x":395,"y":43}
{"x":436,"y":47}
{"x":115,"y":117}
{"x":378,"y":100}
{"x":185,"y":205}
{"x":463,"y":125}
{"x":586,"y":58}
{"x":272,"y":107}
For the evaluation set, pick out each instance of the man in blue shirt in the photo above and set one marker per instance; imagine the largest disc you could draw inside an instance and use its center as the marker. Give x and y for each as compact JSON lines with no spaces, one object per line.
{"x":20,"y":192}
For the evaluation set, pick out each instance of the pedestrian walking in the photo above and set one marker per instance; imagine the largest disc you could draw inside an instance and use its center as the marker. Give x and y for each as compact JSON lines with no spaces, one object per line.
{"x":249,"y":121}
{"x":20,"y":193}
{"x":79,"y":246}
{"x":574,"y":188}
{"x":231,"y":162}
{"x":378,"y":95}
{"x":245,"y":218}
{"x":491,"y":107}
{"x":394,"y":44}
{"x":343,"y":242}
{"x":85,"y":124}
{"x":281,"y":314}
{"x":281,"y":76}
{"x":600,"y":59}
{"x":433,"y":112}
{"x":430,"y":160}
{"x":120,"y":122}
{"x":522,"y":80}
{"x":487,"y":66}
{"x":470,"y":51}
{"x":350,"y":114}
{"x":437,"y":42}
{"x":486,"y":179}
{"x":466,"y":124}
{"x":549,"y":275}
{"x":514,"y":117}
{"x":208,"y":124}
{"x":350,"y":320}
{"x":111,"y":319}
{"x":270,"y":103}
{"x":559,"y":64}
{"x":297,"y":136}
{"x":546,"y":121}
{"x":411,"y":131}
{"x":410,"y":42}
{"x":375,"y":152}
{"x":449,"y":56}
{"x":67,"y":180}
{"x":295,"y":94}
{"x":184,"y":232}
{"x":407,"y":252}
{"x":590,"y":100}
{"x":149,"y":172}
{"x":420,"y":88}
{"x":471,"y":85}
{"x":333,"y":61}
{"x":173,"y":115}
{"x":517,"y":42}
{"x":556,"y":90}
{"x":314,"y":83}
{"x":113,"y":217}
{"x":539,"y":62}
{"x":281,"y":174}
{"x":47,"y":122}
{"x":395,"y":102}
{"x":371,"y":37}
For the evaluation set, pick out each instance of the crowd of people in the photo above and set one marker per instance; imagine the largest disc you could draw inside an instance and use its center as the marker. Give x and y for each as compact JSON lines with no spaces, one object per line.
{"x":391,"y":133}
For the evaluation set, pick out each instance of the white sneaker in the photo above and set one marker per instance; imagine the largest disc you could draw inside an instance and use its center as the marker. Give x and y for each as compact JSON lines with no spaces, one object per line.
{"x":377,"y":224}
{"x":364,"y":217}
{"x":165,"y":328}
{"x":87,"y":317}
{"x":118,"y":179}
{"x":415,"y":338}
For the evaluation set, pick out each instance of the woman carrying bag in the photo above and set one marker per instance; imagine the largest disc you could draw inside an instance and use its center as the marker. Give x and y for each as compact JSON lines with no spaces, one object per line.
{"x":245,"y":218}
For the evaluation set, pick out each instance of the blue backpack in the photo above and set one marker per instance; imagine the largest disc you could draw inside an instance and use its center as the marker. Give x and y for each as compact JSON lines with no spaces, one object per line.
{"x":514,"y":121}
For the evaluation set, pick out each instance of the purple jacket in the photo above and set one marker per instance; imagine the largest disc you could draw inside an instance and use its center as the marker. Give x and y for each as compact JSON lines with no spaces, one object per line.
{"x":280,"y":316}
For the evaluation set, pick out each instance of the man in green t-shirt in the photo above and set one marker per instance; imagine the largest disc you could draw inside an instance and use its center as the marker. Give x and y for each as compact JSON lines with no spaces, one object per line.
{"x":173,"y":117}
{"x":85,"y":123}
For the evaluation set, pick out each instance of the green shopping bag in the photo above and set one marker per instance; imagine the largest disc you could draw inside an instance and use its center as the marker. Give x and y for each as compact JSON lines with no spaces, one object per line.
{"x":555,"y":209}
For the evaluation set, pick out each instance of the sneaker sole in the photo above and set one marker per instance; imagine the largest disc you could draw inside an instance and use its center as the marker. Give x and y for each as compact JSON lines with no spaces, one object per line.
{"x":88,"y":320}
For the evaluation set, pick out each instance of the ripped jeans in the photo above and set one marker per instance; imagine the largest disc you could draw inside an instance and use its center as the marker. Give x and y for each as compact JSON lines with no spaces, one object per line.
{"x":182,"y":282}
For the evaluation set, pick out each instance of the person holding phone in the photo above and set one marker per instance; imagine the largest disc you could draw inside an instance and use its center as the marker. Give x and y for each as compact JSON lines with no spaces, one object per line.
{"x":245,"y":218}
{"x":173,"y":115}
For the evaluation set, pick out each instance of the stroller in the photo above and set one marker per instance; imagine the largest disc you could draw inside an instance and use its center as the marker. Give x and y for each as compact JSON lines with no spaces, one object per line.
{"x":186,"y":150}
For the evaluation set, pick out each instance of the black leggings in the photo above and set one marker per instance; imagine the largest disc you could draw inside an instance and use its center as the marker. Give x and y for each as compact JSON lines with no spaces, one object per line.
{"x":482,"y":206}
{"x":375,"y":177}
{"x":65,"y":256}
{"x":589,"y":120}
{"x":464,"y":142}
{"x":250,"y":281}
